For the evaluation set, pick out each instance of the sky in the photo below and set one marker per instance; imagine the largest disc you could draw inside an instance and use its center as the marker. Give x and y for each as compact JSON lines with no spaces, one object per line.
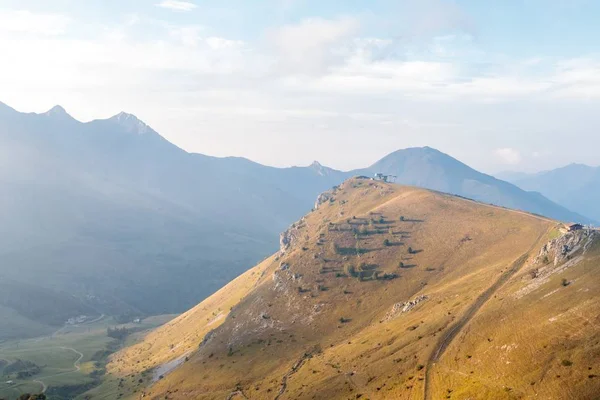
{"x":501,"y":84}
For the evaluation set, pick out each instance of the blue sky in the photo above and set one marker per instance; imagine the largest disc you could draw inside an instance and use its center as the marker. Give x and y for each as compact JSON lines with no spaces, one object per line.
{"x":501,"y":85}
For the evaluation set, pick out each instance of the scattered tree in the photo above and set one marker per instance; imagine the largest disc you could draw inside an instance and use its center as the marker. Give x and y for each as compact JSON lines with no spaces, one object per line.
{"x":534,"y":273}
{"x":386,"y":242}
{"x":546,"y":260}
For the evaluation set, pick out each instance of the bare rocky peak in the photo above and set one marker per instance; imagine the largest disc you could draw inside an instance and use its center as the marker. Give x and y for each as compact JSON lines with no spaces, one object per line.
{"x":131,"y":123}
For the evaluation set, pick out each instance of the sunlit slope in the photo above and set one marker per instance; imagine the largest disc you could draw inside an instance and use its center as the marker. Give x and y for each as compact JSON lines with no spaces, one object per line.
{"x":183,"y":334}
{"x":372,"y":282}
{"x":539,"y":337}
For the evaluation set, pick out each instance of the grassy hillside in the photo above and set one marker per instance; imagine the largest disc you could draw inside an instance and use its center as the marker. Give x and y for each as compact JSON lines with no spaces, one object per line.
{"x":391,"y":292}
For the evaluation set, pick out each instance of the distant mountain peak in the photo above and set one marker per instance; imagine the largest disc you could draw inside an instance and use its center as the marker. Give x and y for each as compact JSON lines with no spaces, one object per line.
{"x":131,"y":123}
{"x":58,"y":112}
{"x":318,"y":168}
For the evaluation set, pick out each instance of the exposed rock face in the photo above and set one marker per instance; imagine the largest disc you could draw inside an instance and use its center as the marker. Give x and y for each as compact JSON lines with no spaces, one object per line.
{"x":323,"y":198}
{"x":561,"y":249}
{"x":557,"y":256}
{"x":287,"y":238}
{"x":401,"y":308}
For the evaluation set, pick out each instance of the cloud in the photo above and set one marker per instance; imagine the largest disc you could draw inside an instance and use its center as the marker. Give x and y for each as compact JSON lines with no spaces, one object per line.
{"x":508,"y":155}
{"x":177,"y":5}
{"x":23,"y":21}
{"x":321,"y":77}
{"x":309,"y":46}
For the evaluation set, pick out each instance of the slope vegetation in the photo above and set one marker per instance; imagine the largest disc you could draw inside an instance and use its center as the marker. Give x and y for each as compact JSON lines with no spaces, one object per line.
{"x":387,"y":291}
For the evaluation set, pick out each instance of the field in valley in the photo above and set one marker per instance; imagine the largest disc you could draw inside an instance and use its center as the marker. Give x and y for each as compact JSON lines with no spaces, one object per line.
{"x":70,"y":360}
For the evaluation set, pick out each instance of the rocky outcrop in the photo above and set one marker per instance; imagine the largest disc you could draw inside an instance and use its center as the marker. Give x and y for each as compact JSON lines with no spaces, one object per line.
{"x":557,"y":256}
{"x":563,"y":248}
{"x":322,"y":199}
{"x":289,"y":237}
{"x":401,"y":308}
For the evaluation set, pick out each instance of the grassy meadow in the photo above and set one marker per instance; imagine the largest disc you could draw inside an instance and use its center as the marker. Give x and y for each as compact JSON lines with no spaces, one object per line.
{"x":71,"y":360}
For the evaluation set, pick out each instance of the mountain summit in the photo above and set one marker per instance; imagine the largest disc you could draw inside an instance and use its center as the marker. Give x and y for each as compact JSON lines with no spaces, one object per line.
{"x":390,"y":292}
{"x":131,"y":123}
{"x":429,"y":168}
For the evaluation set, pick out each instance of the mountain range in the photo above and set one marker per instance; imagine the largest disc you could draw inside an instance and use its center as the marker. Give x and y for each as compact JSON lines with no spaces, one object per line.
{"x":575,"y":186}
{"x":109,"y":217}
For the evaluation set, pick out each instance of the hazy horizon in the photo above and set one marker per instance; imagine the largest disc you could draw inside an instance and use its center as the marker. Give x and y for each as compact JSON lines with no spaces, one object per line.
{"x":354,"y":167}
{"x":318,"y":80}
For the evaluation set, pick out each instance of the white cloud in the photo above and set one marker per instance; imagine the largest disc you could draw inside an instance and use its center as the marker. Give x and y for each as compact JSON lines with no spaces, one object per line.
{"x":309,"y":46}
{"x":318,"y":77}
{"x":187,"y":35}
{"x":177,"y":5}
{"x":508,"y":155}
{"x":23,"y":21}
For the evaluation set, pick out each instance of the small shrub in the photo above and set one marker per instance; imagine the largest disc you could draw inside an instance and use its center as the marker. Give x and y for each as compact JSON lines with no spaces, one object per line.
{"x":400,"y":264}
{"x":566,"y":363}
{"x":546,"y":260}
{"x":565,"y":282}
{"x":386,"y":242}
{"x":534,"y":273}
{"x":344,"y":320}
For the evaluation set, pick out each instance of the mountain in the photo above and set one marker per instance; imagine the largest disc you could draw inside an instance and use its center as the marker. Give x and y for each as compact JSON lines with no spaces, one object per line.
{"x":576,"y":186}
{"x":432,"y":169}
{"x":108,"y":217}
{"x":386,"y":291}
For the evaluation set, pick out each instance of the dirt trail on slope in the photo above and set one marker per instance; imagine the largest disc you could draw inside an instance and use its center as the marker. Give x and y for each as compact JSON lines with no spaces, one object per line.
{"x":291,"y":372}
{"x":76,"y":367}
{"x":455,"y":329}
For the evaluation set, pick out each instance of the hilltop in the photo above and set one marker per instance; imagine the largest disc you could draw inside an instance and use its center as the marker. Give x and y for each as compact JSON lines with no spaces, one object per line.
{"x":108,"y":217}
{"x":388,"y":291}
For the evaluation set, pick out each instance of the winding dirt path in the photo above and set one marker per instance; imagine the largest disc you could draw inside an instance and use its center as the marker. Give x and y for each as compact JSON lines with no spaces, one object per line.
{"x":454,"y":330}
{"x":295,"y":368}
{"x":76,"y":368}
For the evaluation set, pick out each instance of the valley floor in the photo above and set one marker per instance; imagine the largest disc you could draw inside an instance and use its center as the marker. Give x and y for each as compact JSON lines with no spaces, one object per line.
{"x":71,"y":360}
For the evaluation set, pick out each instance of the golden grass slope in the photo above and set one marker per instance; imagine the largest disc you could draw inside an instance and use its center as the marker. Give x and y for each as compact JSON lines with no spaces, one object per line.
{"x":374,"y":280}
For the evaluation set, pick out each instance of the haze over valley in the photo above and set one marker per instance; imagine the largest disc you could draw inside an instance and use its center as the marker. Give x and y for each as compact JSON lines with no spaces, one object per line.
{"x":298,"y":199}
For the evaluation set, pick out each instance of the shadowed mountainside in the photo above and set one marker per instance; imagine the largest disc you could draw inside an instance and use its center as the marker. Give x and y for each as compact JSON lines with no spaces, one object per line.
{"x":109,"y":217}
{"x":575,"y":186}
